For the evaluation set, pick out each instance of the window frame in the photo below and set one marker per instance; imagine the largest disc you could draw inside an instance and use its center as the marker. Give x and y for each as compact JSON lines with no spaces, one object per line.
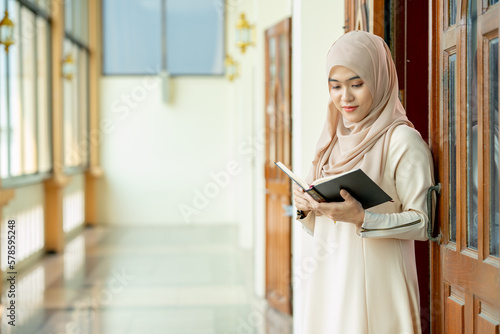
{"x":25,"y":179}
{"x":81,"y":46}
{"x":164,"y":49}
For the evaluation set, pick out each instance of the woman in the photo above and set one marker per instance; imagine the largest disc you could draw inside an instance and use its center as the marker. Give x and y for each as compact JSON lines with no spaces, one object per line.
{"x":367,"y":282}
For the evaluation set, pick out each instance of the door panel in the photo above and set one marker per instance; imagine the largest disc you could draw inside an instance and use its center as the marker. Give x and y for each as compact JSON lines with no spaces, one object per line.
{"x":486,"y":317}
{"x":465,"y":271}
{"x":454,"y":310}
{"x":278,"y":148}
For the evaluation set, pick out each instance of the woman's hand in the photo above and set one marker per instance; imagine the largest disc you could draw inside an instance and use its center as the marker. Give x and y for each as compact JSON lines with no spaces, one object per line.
{"x":302,"y":199}
{"x":349,"y":211}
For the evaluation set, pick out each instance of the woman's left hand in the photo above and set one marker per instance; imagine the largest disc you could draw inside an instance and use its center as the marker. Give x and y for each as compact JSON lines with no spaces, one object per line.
{"x":349,"y":211}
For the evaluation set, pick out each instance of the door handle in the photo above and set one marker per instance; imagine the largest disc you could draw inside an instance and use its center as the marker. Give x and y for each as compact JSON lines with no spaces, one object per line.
{"x":430,"y":227}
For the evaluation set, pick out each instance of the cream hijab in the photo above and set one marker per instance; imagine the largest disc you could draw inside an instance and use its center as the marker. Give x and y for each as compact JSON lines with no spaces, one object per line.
{"x":344,"y":145}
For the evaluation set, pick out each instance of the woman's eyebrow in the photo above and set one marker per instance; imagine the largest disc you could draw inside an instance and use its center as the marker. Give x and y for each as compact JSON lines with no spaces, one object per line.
{"x":356,"y":77}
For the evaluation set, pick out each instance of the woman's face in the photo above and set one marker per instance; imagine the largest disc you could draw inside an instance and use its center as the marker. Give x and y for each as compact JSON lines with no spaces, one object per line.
{"x":349,"y":93}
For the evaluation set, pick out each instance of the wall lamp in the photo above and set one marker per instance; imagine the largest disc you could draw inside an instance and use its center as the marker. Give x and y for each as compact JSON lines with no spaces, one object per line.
{"x":231,"y":65}
{"x":6,"y":32}
{"x":68,"y":67}
{"x":244,"y":32}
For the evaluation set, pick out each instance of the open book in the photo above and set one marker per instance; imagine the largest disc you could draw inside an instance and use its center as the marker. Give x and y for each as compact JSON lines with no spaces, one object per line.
{"x":327,"y":189}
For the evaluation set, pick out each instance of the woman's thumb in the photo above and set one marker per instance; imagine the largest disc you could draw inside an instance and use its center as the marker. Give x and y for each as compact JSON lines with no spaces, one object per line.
{"x":345,"y":195}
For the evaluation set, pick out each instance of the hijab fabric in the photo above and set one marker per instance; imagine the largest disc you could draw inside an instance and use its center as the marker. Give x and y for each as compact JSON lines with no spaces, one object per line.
{"x":343,"y":145}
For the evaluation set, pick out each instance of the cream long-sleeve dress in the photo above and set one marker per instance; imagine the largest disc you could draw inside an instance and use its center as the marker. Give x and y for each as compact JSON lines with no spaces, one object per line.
{"x":365,"y":281}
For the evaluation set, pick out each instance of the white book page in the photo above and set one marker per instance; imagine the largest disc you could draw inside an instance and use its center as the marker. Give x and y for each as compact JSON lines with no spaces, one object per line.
{"x":292,"y":175}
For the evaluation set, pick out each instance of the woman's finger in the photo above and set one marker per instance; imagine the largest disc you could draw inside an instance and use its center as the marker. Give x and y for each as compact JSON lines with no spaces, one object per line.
{"x":345,"y":195}
{"x":310,"y":199}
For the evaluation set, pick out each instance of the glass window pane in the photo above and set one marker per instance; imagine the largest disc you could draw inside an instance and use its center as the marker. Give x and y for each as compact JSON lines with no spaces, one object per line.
{"x":452,"y":146}
{"x":74,"y":156}
{"x":84,"y":29}
{"x":68,"y":105}
{"x":472,"y":126}
{"x":492,"y":2}
{"x":28,"y":86}
{"x":14,"y":94}
{"x":283,"y":53}
{"x":83,"y":104}
{"x":44,"y":125}
{"x":494,"y":156}
{"x":68,"y":15}
{"x":452,"y":9}
{"x":195,"y":37}
{"x":77,"y":18}
{"x":44,"y":4}
{"x":271,"y":108}
{"x":131,"y":36}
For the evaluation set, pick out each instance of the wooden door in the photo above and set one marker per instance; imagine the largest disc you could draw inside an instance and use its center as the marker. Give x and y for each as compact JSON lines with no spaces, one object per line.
{"x":464,"y":140}
{"x":278,"y":148}
{"x":367,"y":15}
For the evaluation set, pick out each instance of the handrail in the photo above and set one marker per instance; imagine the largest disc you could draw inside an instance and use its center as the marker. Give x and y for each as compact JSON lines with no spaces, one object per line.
{"x":430,"y":227}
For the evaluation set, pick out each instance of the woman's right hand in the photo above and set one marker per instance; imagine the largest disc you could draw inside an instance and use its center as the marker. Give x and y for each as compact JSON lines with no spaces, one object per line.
{"x":302,"y":199}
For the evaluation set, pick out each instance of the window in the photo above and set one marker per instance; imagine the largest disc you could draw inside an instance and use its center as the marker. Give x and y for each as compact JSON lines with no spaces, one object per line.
{"x":145,"y":37}
{"x":75,"y":87}
{"x":25,"y":124}
{"x":482,"y":134}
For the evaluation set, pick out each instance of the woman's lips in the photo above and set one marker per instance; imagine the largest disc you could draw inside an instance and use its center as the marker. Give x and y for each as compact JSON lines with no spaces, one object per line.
{"x":349,"y":109}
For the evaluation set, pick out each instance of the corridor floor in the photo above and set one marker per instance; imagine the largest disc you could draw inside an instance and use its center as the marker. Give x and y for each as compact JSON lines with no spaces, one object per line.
{"x":168,"y":280}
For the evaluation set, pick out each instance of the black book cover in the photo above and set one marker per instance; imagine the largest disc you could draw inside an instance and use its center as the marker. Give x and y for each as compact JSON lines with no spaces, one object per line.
{"x":357,"y":183}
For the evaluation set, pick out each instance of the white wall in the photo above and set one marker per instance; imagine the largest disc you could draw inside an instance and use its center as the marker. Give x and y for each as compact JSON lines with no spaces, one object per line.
{"x":159,"y":160}
{"x":316,"y":25}
{"x":27,"y":210}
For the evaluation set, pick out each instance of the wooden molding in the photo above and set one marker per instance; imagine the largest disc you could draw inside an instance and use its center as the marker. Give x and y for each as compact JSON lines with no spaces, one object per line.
{"x":54,"y":233}
{"x":6,"y":195}
{"x":54,"y":187}
{"x":95,"y":59}
{"x":96,"y":171}
{"x":58,"y":181}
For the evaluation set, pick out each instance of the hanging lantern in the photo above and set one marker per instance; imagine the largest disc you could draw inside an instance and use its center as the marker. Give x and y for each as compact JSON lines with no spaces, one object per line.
{"x":6,"y":31}
{"x":243,"y":33}
{"x":68,"y":67}
{"x":231,"y":68}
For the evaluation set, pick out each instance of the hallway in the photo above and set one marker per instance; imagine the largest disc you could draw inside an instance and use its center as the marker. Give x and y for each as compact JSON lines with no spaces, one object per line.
{"x":127,"y":280}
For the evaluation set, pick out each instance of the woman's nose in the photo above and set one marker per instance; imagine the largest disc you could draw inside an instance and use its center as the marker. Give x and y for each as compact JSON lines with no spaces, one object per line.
{"x":346,"y":95}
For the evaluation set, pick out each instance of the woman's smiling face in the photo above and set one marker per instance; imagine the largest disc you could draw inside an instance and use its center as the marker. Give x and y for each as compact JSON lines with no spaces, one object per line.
{"x":349,"y":93}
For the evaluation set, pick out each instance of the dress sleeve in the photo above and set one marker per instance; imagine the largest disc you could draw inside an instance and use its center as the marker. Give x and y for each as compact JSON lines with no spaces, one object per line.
{"x":411,"y":167}
{"x":308,"y":222}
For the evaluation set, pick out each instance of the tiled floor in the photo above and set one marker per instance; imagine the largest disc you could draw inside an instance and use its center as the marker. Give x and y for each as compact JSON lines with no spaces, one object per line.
{"x":172,"y":280}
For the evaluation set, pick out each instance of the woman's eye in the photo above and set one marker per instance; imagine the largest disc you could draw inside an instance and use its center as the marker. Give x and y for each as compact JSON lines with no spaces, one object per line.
{"x":357,"y":86}
{"x":335,"y":87}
